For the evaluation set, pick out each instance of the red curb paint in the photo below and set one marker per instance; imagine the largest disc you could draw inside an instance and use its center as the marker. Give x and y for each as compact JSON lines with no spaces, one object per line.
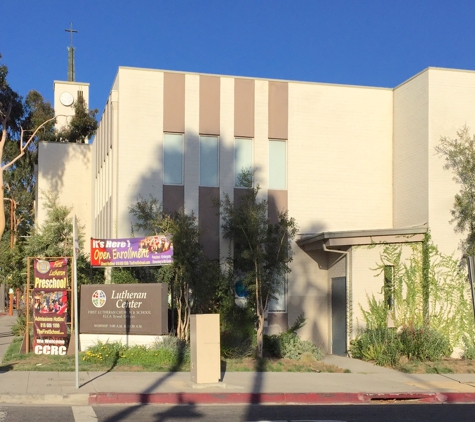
{"x":456,"y":397}
{"x":274,"y":398}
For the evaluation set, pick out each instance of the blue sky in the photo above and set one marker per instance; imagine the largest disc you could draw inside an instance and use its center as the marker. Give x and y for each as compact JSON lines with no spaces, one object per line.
{"x":359,"y":42}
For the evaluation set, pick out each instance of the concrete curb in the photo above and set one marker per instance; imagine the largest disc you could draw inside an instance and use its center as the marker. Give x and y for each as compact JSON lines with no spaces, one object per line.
{"x":276,"y":398}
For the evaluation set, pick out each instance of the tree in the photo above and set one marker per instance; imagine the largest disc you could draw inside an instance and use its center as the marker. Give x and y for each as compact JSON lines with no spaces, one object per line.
{"x":192,"y":277}
{"x":23,"y":123}
{"x":54,"y":238}
{"x":459,"y":154}
{"x":262,"y":250}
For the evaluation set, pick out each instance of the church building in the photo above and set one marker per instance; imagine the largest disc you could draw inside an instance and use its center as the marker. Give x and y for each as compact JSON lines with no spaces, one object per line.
{"x":355,"y":166}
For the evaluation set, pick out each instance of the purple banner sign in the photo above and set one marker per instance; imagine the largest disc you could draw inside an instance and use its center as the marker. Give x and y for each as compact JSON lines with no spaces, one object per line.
{"x":132,"y":252}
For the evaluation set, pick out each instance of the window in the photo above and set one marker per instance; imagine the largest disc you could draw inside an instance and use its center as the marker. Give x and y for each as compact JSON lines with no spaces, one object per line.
{"x":173,"y":150}
{"x":277,"y":165}
{"x":279,"y":303}
{"x":389,"y":286}
{"x":209,"y":161}
{"x":242,"y":158}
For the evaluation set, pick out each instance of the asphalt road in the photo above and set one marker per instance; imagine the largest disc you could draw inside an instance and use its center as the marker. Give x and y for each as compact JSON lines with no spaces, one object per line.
{"x":346,"y":413}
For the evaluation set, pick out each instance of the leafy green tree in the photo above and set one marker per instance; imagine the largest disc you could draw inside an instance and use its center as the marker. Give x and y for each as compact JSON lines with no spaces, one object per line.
{"x":192,"y":277}
{"x":459,"y":154}
{"x":54,"y":238}
{"x":262,"y":250}
{"x":22,"y":123}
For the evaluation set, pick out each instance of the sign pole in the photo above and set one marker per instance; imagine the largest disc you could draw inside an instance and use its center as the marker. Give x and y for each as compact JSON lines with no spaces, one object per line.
{"x":75,"y":290}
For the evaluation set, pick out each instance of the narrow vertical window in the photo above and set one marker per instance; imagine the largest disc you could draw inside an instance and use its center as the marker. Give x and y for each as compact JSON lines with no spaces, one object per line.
{"x":242,"y":159}
{"x":389,"y":286}
{"x":279,"y":302}
{"x":277,"y":165}
{"x":173,"y":152}
{"x":209,"y":159}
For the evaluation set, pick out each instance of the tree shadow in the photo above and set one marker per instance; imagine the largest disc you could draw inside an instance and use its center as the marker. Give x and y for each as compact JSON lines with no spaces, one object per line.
{"x":145,"y":397}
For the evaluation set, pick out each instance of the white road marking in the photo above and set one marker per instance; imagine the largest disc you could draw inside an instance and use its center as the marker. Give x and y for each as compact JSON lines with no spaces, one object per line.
{"x":83,"y":414}
{"x":3,"y":414}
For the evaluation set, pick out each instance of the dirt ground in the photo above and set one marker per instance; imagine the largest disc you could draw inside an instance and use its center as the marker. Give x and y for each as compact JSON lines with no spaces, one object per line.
{"x":445,"y":366}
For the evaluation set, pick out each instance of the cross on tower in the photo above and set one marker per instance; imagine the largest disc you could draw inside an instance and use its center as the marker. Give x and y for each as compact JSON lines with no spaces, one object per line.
{"x":71,"y":30}
{"x":71,"y":70}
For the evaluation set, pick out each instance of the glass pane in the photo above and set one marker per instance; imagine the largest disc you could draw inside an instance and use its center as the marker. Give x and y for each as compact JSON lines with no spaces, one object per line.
{"x":209,"y":161}
{"x":279,"y":304}
{"x":242,"y":157}
{"x":173,"y":159}
{"x":277,"y":165}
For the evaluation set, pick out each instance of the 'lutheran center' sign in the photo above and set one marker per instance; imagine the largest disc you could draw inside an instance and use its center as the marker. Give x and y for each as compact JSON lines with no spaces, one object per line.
{"x":133,"y":309}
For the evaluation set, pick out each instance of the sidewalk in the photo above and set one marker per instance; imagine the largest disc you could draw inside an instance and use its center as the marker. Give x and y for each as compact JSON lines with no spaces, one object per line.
{"x":365,"y":384}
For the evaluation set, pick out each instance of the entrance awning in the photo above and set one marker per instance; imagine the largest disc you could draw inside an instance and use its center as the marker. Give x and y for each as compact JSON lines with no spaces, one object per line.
{"x":344,"y":239}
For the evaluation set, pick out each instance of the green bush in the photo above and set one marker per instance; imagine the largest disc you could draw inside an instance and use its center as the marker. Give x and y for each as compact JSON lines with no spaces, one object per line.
{"x":385,"y":346}
{"x":380,"y":345}
{"x":171,"y":351}
{"x":424,"y":343}
{"x":290,"y":346}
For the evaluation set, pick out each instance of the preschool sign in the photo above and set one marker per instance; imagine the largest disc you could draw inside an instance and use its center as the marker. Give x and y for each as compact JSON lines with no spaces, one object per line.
{"x":132,"y":252}
{"x":50,"y":306}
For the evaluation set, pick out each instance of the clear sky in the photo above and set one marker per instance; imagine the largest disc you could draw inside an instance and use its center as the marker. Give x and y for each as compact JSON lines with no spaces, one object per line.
{"x":359,"y":42}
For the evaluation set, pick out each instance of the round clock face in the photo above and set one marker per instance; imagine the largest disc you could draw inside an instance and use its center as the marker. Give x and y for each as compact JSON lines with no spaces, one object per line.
{"x":66,"y":99}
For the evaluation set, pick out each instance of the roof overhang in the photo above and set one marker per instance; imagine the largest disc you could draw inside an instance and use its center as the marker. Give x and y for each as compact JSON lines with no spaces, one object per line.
{"x":344,"y":239}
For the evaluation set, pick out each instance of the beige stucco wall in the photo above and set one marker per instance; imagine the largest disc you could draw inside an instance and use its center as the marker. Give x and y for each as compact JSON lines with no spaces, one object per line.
{"x":411,"y":184}
{"x":451,"y":105}
{"x":66,"y":170}
{"x":140,"y":141}
{"x":340,"y":157}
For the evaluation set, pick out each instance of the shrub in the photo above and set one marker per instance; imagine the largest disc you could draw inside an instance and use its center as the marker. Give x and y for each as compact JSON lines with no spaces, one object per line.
{"x":171,"y":351}
{"x":290,"y":346}
{"x":380,"y":345}
{"x":424,"y":343}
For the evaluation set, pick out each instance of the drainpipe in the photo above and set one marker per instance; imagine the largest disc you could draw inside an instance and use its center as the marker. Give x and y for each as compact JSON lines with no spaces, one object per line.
{"x":348,"y":292}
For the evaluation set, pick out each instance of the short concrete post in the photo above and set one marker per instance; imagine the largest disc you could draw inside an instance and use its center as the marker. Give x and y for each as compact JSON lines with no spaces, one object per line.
{"x":205,"y":349}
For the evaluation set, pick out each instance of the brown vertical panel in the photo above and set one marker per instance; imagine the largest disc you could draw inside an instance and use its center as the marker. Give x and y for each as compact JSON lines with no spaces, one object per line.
{"x":173,"y":198}
{"x":244,"y":107}
{"x":208,"y":222}
{"x":209,"y":104}
{"x":174,"y":102}
{"x":238,"y":194}
{"x":278,"y":110}
{"x":277,"y":202}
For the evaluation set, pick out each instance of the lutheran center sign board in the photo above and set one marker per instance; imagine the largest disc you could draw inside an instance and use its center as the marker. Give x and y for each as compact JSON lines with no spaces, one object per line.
{"x":131,"y":309}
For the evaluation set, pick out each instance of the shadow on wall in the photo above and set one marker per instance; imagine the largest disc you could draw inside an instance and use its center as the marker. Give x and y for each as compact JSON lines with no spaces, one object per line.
{"x":55,"y":156}
{"x":310,"y":295}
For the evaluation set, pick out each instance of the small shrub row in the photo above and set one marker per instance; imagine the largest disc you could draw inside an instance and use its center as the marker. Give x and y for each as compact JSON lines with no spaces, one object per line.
{"x":386,"y":346}
{"x":290,"y":346}
{"x":169,"y":352}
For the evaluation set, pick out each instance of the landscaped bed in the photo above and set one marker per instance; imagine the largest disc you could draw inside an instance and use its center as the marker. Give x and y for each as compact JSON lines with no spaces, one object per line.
{"x":113,"y":356}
